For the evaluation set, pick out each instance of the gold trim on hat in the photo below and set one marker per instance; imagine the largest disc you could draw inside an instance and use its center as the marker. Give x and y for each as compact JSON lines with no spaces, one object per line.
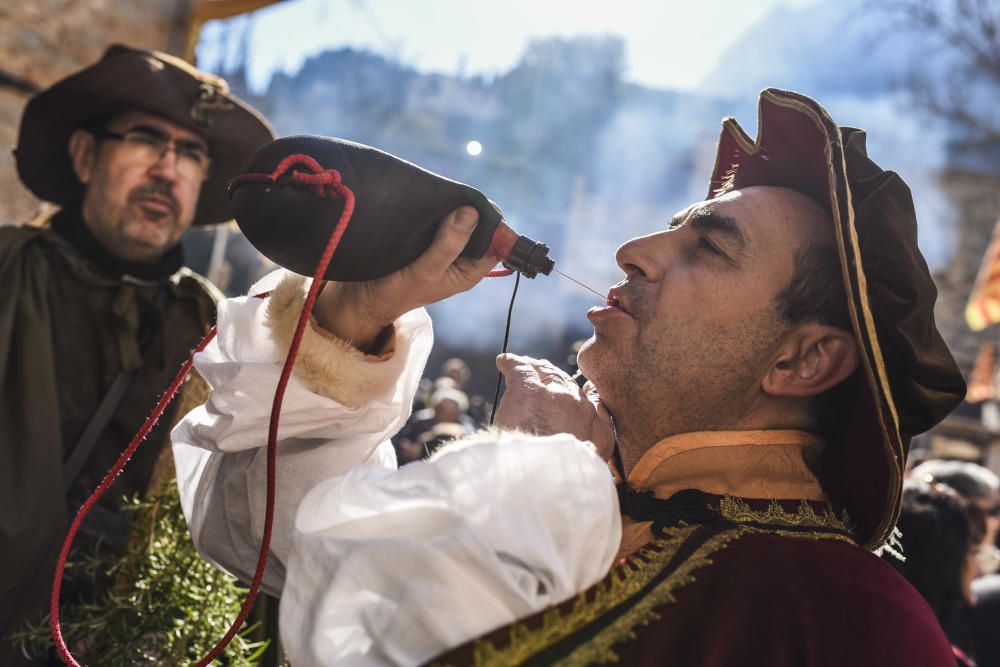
{"x":896,"y":457}
{"x":877,"y":376}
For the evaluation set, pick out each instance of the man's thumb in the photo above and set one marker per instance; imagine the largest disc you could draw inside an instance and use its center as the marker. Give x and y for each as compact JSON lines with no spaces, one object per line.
{"x":506,"y":362}
{"x":452,"y":236}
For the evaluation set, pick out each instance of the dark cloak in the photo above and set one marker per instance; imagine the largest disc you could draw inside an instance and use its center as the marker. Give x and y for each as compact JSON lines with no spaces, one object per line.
{"x":69,"y":322}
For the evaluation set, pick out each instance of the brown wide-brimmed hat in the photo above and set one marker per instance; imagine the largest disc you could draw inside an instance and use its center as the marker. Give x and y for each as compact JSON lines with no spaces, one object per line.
{"x":128,"y":79}
{"x":910,"y":380}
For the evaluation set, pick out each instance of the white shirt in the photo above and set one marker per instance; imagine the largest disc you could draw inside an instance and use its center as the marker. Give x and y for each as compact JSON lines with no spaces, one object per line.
{"x":378,"y":566}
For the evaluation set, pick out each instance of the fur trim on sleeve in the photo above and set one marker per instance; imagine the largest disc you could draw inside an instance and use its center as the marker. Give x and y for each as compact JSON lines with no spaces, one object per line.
{"x":496,"y":436}
{"x":327,"y":365}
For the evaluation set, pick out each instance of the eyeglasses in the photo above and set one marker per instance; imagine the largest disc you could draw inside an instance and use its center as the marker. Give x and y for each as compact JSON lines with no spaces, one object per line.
{"x":147,"y":146}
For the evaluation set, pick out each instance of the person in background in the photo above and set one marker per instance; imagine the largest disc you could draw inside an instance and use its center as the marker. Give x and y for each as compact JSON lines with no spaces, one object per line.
{"x":478,"y":408}
{"x":422,"y":399}
{"x":438,"y":435}
{"x":981,"y":488}
{"x":940,"y":542}
{"x":977,"y":484}
{"x":458,"y":371}
{"x":449,"y":407}
{"x":97,"y":311}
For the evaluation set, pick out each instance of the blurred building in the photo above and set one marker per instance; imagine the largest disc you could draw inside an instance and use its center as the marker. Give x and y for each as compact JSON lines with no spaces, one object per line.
{"x":971,"y":182}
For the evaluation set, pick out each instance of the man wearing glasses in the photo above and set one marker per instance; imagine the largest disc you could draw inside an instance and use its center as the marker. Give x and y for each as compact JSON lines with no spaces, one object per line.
{"x":97,"y":311}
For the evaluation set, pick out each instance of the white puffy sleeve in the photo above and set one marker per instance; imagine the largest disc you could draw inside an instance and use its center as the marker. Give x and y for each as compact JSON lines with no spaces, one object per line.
{"x":395,"y":567}
{"x":377,"y":566}
{"x":339,"y":410}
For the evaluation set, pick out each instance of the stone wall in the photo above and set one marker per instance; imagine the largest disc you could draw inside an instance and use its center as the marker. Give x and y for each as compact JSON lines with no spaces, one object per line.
{"x":44,"y":40}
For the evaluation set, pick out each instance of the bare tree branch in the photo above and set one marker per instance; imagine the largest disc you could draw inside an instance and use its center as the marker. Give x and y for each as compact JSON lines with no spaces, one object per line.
{"x":965,"y":33}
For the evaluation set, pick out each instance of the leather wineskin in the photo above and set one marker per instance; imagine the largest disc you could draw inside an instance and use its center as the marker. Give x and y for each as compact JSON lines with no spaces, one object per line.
{"x":398,"y":206}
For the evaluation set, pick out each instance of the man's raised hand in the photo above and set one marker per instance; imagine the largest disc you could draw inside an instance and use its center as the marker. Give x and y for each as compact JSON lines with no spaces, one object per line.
{"x":543,"y":400}
{"x":359,"y":311}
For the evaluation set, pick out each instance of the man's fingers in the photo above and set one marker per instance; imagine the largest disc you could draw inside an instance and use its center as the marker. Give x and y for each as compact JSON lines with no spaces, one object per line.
{"x":452,"y":235}
{"x":537,"y":371}
{"x":507,"y":363}
{"x":546,"y":369}
{"x":514,"y":366}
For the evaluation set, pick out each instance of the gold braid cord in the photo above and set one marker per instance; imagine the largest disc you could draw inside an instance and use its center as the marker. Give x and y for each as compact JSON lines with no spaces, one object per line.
{"x":598,"y":649}
{"x":776,"y":520}
{"x":621,"y":584}
{"x":625,"y":582}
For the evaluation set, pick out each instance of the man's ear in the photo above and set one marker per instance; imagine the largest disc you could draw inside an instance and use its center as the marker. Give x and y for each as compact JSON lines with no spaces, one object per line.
{"x":814,"y":358}
{"x":83,"y":153}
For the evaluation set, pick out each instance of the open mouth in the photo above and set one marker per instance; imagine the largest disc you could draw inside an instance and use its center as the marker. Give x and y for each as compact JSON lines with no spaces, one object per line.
{"x":614,"y":304}
{"x":615,"y":301}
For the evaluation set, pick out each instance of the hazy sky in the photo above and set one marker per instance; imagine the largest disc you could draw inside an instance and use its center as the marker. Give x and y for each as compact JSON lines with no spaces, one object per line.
{"x":669,"y":43}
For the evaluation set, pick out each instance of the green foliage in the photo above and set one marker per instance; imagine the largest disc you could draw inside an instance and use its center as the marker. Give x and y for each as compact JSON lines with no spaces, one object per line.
{"x":167,"y":605}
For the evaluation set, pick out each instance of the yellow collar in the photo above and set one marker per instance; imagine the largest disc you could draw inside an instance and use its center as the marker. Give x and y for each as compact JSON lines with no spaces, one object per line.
{"x":747,"y":464}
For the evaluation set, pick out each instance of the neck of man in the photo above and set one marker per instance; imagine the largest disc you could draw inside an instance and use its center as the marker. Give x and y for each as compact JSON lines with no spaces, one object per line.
{"x":637,"y":435}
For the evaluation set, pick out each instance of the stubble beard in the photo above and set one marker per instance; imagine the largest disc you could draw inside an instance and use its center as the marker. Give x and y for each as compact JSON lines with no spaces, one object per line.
{"x":140,"y":237}
{"x":154,"y":233}
{"x":695,"y":379}
{"x":125,"y":229}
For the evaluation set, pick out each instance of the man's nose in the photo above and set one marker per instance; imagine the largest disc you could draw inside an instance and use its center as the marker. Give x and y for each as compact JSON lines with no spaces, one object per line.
{"x":643,"y":257}
{"x":166,"y":167}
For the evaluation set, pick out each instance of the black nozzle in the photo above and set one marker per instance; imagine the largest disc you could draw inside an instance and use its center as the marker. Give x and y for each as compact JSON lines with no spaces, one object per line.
{"x":529,"y":257}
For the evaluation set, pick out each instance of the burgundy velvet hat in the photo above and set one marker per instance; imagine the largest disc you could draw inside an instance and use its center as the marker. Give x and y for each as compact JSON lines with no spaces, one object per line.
{"x":910,"y":380}
{"x":128,"y":79}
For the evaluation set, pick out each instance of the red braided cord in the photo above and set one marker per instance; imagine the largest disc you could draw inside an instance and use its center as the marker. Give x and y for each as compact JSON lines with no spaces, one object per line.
{"x":328,"y":184}
{"x":324,"y":181}
{"x":96,"y":495}
{"x":334,"y":185}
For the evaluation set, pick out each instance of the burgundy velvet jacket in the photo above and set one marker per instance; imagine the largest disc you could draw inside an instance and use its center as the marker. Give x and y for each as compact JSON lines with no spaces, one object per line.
{"x":768,"y":583}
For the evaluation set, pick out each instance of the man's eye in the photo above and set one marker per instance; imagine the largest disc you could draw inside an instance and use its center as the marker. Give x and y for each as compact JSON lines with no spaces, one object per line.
{"x":144,"y":139}
{"x":194,"y":153}
{"x":705,"y":244}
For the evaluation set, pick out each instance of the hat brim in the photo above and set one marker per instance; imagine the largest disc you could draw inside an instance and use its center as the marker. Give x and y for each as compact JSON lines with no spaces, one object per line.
{"x":800,"y":147}
{"x":133,"y":80}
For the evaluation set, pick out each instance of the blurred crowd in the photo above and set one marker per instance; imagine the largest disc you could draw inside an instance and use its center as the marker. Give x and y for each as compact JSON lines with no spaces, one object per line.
{"x":948,"y":532}
{"x":442,"y":411}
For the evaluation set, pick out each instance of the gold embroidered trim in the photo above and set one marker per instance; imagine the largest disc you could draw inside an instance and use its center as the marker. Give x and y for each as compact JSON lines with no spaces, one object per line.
{"x":621,"y":584}
{"x":599,"y":648}
{"x":892,"y":443}
{"x":806,"y":534}
{"x":876,"y":374}
{"x":738,"y":511}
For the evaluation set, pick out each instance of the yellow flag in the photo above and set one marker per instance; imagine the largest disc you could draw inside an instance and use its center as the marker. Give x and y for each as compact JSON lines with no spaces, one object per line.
{"x":983,"y":308}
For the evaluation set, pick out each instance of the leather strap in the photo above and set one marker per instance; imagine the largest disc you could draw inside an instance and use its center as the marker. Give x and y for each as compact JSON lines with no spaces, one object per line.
{"x":84,"y":446}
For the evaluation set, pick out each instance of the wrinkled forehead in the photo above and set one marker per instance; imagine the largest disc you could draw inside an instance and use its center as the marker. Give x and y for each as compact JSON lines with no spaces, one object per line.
{"x":765,"y":214}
